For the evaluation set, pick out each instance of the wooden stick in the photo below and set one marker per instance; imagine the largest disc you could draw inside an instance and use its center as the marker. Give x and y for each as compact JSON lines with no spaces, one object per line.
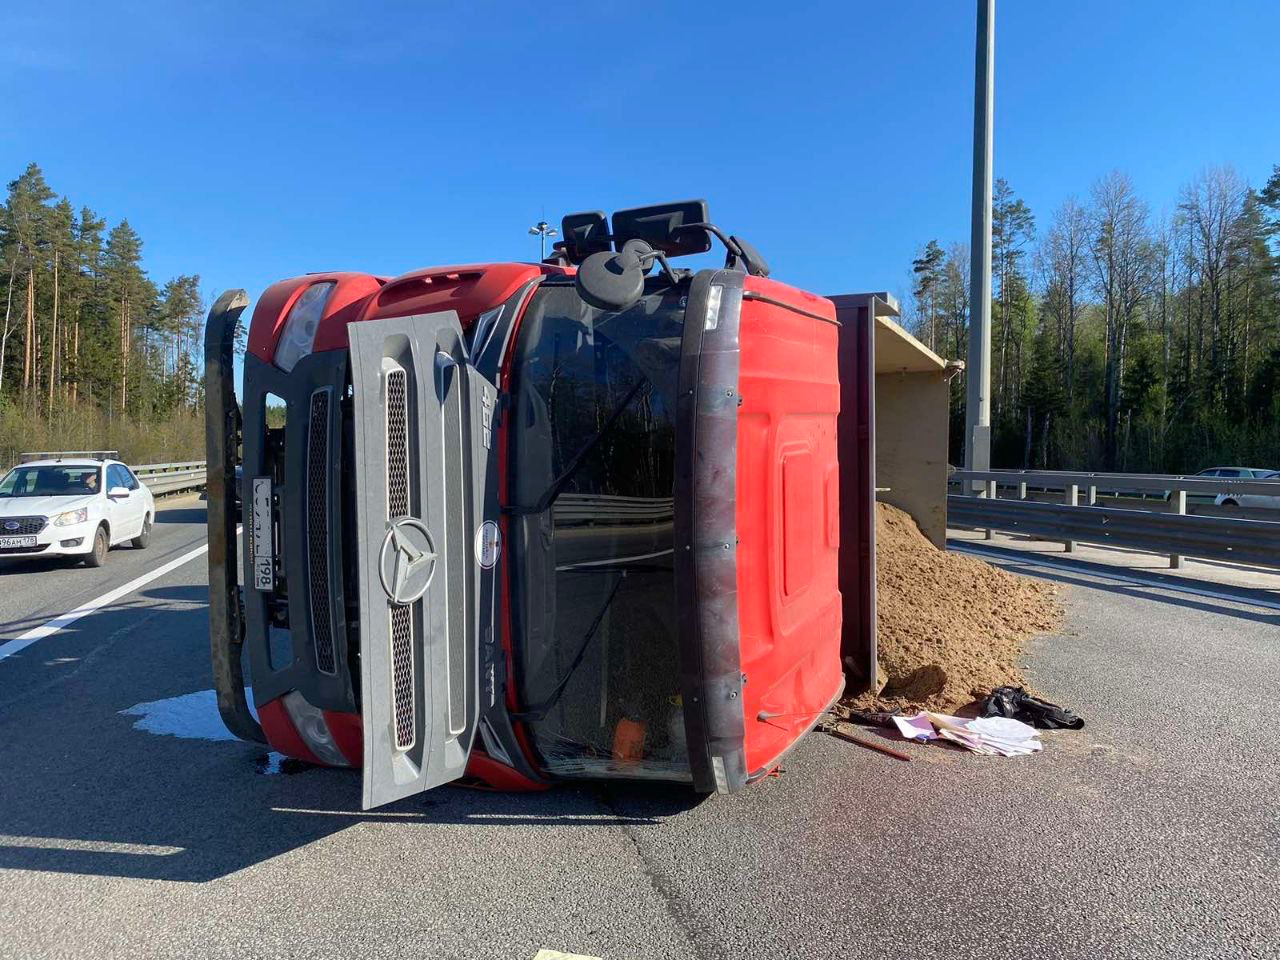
{"x":869,"y":744}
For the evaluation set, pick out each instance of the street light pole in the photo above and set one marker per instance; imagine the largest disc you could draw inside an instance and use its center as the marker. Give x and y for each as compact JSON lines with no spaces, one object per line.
{"x":977,"y":447}
{"x":542,"y":230}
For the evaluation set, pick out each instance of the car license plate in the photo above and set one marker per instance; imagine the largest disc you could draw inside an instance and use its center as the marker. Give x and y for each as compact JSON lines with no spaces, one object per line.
{"x":13,"y":543}
{"x":264,"y":574}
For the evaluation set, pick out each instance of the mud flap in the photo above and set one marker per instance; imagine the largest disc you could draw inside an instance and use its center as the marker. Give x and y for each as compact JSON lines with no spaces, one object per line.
{"x":424,"y":452}
{"x":222,"y":441}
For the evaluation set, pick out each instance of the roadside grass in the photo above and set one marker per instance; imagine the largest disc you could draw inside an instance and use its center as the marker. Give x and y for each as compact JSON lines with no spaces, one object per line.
{"x":180,"y":436}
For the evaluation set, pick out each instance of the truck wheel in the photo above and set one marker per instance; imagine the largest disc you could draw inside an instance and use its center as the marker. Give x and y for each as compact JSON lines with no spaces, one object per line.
{"x":98,"y":555}
{"x":142,"y":539}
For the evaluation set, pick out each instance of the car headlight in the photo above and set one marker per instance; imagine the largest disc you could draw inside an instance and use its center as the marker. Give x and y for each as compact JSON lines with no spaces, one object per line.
{"x":300,"y":326}
{"x":71,"y":517}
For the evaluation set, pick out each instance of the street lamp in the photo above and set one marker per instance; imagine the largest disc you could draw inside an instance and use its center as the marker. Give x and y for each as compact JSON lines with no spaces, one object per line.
{"x":977,"y":441}
{"x":542,"y":230}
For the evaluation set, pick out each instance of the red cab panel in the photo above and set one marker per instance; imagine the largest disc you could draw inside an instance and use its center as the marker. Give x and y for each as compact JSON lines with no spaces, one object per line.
{"x":348,"y":300}
{"x":787,"y":516}
{"x":467,"y":290}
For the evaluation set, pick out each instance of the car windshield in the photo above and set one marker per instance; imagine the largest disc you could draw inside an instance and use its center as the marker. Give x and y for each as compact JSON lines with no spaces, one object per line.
{"x":50,"y":481}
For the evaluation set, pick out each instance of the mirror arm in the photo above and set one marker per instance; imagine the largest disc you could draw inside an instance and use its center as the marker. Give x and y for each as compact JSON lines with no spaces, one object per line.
{"x":736,"y":257}
{"x":715,"y":231}
{"x":664,"y":263}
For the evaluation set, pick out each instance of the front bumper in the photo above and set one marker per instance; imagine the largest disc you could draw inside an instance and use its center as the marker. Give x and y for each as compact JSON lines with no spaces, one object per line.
{"x":300,"y":633}
{"x":73,"y":540}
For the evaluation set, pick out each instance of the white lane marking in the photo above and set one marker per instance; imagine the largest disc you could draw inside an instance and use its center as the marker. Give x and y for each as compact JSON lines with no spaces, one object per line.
{"x":88,"y":846}
{"x":1050,"y":563}
{"x":545,"y":954}
{"x":48,"y":629}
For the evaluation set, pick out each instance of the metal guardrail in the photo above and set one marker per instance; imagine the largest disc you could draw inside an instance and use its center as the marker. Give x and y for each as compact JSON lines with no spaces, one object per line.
{"x":162,"y":478}
{"x":1118,"y":482}
{"x":1169,"y":529}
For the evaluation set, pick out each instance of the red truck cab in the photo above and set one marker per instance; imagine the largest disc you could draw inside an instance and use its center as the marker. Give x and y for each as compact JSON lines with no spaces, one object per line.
{"x":531,"y":522}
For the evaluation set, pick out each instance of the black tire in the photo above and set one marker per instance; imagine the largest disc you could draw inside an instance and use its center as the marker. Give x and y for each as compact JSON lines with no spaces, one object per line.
{"x":141,"y":540}
{"x":1230,"y":503}
{"x":98,"y":555}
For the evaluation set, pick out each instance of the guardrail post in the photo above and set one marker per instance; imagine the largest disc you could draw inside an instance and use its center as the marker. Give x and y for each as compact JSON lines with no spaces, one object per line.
{"x":1093,"y":496}
{"x":1022,"y":490}
{"x":990,"y":493}
{"x":1178,"y":502}
{"x":1070,"y":497}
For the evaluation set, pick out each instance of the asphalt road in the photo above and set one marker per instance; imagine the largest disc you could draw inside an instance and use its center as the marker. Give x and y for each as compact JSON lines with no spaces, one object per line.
{"x":1152,"y":833}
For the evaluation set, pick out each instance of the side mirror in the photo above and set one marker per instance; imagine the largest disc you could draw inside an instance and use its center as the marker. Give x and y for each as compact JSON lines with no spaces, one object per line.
{"x":118,"y":493}
{"x":613,"y":281}
{"x":675,"y":229}
{"x":585,"y":234}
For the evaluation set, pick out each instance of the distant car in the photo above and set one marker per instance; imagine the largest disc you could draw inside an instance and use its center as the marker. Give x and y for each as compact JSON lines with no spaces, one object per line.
{"x":73,"y":507}
{"x":1237,"y":473}
{"x":1227,"y":473}
{"x":1271,"y":501}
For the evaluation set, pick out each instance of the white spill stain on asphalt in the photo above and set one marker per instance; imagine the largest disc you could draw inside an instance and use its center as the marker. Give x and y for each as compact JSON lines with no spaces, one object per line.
{"x":192,"y":716}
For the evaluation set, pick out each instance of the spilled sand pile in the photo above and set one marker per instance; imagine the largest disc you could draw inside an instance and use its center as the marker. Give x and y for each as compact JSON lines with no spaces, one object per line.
{"x":949,"y":627}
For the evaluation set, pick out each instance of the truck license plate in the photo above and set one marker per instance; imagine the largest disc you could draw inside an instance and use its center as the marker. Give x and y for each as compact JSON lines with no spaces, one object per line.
{"x":264,"y":575}
{"x":13,"y":543}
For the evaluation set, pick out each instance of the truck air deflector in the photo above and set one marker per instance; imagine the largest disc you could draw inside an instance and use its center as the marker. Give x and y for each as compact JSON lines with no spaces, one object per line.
{"x":706,"y":534}
{"x":423,"y":445}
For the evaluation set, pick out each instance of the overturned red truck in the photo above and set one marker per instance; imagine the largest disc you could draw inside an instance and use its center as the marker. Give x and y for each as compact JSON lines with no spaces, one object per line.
{"x":523,"y":522}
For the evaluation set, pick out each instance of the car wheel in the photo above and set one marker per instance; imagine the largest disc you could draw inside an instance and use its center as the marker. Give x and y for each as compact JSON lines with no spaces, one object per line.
{"x":141,"y":540}
{"x":1230,"y":503}
{"x":98,"y":555}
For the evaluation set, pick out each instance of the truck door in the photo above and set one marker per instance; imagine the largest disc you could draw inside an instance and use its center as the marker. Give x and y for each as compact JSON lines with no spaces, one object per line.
{"x":423,"y":458}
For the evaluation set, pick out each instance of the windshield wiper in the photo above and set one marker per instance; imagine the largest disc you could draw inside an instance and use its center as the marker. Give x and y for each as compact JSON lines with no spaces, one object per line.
{"x":557,"y":485}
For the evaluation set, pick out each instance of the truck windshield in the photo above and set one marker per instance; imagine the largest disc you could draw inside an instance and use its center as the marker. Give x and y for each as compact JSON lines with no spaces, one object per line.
{"x":51,"y":481}
{"x":591,"y":477}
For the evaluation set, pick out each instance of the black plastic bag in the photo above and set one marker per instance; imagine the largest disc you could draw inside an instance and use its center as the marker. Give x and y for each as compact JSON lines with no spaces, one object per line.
{"x":1015,"y":702}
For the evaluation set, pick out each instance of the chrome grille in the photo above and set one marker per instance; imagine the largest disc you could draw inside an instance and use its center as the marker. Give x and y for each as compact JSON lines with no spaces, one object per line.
{"x":21,"y":526}
{"x":402,"y":675}
{"x":402,"y":652}
{"x":397,"y":445}
{"x":318,"y":529}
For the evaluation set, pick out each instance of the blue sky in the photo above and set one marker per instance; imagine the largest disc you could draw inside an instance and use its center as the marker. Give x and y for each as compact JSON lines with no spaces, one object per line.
{"x":253,"y":141}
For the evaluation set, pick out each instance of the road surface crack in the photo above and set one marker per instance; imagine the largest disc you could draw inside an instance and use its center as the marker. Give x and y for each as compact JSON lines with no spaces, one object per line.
{"x":678,"y":908}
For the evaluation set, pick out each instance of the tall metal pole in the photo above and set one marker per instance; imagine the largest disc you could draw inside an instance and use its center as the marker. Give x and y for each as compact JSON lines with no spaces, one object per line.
{"x":977,"y":448}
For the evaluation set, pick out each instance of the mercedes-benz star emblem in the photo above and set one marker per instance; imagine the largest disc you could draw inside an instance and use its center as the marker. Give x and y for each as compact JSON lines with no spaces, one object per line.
{"x":407,"y":561}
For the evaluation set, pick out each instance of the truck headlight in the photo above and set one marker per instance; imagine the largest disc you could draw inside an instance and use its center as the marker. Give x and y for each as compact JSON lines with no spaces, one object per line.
{"x":71,"y":517}
{"x":299,"y":333}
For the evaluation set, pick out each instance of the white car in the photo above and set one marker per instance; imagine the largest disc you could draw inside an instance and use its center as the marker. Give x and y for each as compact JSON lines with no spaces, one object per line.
{"x":1253,"y":499}
{"x":73,"y":507}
